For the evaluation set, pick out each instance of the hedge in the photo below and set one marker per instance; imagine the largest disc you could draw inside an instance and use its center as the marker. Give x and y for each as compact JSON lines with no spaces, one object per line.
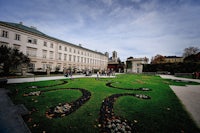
{"x":172,"y":67}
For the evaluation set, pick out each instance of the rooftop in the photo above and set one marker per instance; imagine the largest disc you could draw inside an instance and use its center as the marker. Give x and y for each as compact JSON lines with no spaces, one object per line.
{"x":33,"y":30}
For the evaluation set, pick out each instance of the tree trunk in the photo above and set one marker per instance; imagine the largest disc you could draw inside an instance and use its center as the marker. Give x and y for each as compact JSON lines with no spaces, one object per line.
{"x":6,"y":69}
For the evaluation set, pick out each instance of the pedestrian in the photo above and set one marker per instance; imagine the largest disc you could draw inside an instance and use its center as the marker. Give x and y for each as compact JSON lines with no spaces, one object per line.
{"x":71,"y":74}
{"x":97,"y":75}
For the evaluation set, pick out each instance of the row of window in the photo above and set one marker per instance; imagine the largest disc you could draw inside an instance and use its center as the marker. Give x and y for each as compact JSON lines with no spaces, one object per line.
{"x":5,"y":34}
{"x":72,"y":58}
{"x":78,"y":59}
{"x":34,"y":41}
{"x":32,"y":66}
{"x":32,"y":52}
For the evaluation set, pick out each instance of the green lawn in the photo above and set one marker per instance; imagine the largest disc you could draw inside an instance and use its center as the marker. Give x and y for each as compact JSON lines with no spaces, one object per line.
{"x":162,"y":113}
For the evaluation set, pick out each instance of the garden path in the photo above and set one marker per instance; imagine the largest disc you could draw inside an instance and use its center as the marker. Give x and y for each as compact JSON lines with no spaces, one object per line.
{"x":189,"y":95}
{"x":33,"y":79}
{"x":10,"y":115}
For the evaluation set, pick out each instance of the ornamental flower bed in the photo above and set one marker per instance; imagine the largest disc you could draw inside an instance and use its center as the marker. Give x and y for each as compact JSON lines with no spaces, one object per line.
{"x":62,"y":110}
{"x":110,"y":123}
{"x":35,"y":93}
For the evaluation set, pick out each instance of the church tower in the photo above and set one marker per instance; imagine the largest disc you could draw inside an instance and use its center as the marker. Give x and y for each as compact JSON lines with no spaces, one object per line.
{"x":114,"y":56}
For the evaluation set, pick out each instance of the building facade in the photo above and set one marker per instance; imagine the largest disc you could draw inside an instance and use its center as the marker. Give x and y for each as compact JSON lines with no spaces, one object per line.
{"x":135,"y":65}
{"x":173,"y":59}
{"x":49,"y":52}
{"x":115,"y":64}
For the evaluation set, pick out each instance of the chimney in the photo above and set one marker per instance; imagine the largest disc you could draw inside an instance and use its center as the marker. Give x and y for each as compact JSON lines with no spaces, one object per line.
{"x":21,"y":23}
{"x":33,"y":27}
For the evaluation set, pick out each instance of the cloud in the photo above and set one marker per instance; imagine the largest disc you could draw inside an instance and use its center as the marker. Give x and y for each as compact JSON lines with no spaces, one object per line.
{"x":108,"y":2}
{"x":135,"y":28}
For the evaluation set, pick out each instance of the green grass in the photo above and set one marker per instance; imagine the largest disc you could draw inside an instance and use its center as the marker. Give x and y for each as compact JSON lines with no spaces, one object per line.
{"x":162,"y":113}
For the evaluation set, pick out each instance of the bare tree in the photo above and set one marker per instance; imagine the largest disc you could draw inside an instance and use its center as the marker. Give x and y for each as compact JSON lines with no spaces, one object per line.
{"x":190,"y":51}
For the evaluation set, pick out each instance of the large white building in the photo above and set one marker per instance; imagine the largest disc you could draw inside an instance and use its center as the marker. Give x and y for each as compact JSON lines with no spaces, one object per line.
{"x":135,"y":65}
{"x":45,"y":51}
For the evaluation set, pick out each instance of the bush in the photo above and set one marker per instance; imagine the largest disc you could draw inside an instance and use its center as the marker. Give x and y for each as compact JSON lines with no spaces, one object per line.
{"x":173,"y":67}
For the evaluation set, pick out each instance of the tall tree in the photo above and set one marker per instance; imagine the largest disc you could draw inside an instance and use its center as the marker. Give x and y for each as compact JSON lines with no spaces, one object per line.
{"x":190,"y":51}
{"x":192,"y":58}
{"x":11,"y":57}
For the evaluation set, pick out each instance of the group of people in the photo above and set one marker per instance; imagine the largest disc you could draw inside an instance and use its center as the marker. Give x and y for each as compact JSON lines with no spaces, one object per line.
{"x":107,"y":73}
{"x":69,"y":73}
{"x":196,"y":75}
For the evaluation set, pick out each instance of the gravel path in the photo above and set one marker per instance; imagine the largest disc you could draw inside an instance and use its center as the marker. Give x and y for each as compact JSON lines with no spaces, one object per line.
{"x":33,"y":79}
{"x":189,"y":96}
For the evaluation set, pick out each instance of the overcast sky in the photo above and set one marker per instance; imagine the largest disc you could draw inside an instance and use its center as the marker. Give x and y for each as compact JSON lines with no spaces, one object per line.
{"x":135,"y":28}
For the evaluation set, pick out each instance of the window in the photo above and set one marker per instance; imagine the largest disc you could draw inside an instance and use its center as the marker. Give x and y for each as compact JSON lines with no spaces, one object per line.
{"x":44,"y":66}
{"x":32,"y":40}
{"x":4,"y":44}
{"x":138,"y":64}
{"x":138,"y":70}
{"x":51,"y":45}
{"x":78,"y":58}
{"x":74,"y":50}
{"x":50,"y":65}
{"x":59,"y":56}
{"x":44,"y":53}
{"x":31,"y":51}
{"x":17,"y":37}
{"x":51,"y":54}
{"x":29,"y":40}
{"x":16,"y":46}
{"x":70,"y":57}
{"x":45,"y":44}
{"x":60,"y":47}
{"x":65,"y":48}
{"x":70,"y":50}
{"x":31,"y":66}
{"x":74,"y":58}
{"x":65,"y":57}
{"x":5,"y":34}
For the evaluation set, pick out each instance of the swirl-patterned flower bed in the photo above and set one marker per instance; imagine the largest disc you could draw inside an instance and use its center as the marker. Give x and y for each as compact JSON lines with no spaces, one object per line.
{"x":37,"y":87}
{"x":109,"y":84}
{"x":64,"y":109}
{"x":110,"y":123}
{"x":103,"y":106}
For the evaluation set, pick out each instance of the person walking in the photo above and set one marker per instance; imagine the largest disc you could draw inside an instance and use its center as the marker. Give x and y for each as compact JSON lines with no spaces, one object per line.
{"x":97,"y":75}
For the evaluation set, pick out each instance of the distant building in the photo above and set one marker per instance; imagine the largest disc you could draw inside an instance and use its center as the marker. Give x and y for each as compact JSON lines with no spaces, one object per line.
{"x":173,"y":59}
{"x":135,"y":65}
{"x":159,"y":59}
{"x":49,"y":52}
{"x":114,"y":63}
